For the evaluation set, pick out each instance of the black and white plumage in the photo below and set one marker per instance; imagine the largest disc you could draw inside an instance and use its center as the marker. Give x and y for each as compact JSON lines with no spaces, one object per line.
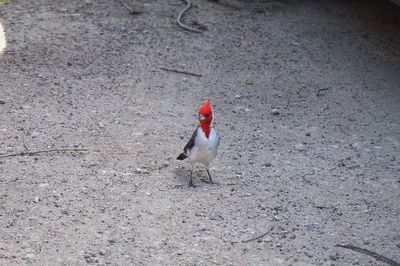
{"x":203,"y":145}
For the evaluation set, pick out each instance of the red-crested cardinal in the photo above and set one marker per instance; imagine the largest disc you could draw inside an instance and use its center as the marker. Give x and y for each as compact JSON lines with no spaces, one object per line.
{"x":203,"y":145}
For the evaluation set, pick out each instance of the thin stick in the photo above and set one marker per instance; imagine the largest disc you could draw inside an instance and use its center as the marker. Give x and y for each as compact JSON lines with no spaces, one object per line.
{"x":25,"y":153}
{"x":181,"y":72}
{"x":178,"y":19}
{"x":258,"y":237}
{"x":321,"y":90}
{"x":308,"y":174}
{"x":133,"y":12}
{"x":370,"y":253}
{"x":24,"y":140}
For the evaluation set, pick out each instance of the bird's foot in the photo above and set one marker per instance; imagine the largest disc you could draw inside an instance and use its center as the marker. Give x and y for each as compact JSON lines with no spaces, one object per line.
{"x":211,"y":182}
{"x":209,"y":177}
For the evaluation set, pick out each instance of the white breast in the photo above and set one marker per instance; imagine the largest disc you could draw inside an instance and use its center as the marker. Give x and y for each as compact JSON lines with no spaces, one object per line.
{"x":204,"y":149}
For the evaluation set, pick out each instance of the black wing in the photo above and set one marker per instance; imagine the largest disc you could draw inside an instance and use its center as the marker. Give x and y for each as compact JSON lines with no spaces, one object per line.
{"x":190,"y":144}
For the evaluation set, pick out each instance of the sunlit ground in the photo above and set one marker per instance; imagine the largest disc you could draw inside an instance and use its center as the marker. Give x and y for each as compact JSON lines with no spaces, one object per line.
{"x":3,"y":42}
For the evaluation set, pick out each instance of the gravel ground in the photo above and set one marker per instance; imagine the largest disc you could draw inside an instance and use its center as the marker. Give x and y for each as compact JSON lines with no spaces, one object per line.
{"x":306,"y":98}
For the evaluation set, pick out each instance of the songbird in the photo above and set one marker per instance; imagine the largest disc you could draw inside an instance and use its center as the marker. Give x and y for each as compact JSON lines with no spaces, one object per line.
{"x":203,"y":145}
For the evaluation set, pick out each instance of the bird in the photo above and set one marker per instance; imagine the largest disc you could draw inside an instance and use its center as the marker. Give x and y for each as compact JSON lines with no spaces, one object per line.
{"x":203,"y":145}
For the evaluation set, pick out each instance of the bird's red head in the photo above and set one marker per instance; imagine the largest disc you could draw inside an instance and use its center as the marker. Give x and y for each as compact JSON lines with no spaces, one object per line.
{"x":205,"y":117}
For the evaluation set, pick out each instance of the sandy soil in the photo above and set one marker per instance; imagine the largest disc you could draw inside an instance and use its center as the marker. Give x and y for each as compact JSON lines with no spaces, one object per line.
{"x":306,"y":97}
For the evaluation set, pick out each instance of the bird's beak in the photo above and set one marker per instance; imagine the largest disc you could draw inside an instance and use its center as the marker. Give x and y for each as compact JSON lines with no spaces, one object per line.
{"x":202,"y":117}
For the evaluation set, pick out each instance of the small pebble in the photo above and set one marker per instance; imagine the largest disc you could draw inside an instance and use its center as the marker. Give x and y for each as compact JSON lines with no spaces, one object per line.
{"x":308,"y":254}
{"x":101,"y":124}
{"x":238,"y":96}
{"x":308,"y":134}
{"x":242,"y":108}
{"x":88,"y":258}
{"x":36,"y":200}
{"x":279,"y":260}
{"x":35,"y":134}
{"x":300,"y":147}
{"x":333,"y":257}
{"x":275,"y":111}
{"x":267,"y":239}
{"x":267,"y":164}
{"x":30,"y":256}
{"x":141,"y":171}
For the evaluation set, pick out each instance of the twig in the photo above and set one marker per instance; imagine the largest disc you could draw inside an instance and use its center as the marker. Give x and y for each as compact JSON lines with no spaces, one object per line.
{"x":181,"y":72}
{"x":131,"y":11}
{"x":24,"y":143}
{"x":178,"y":19}
{"x":24,"y":140}
{"x":258,"y":237}
{"x":308,"y":174}
{"x":321,"y":90}
{"x":25,"y":153}
{"x":370,"y":253}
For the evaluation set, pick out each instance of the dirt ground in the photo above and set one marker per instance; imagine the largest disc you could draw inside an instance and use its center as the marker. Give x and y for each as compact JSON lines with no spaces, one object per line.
{"x":306,"y":96}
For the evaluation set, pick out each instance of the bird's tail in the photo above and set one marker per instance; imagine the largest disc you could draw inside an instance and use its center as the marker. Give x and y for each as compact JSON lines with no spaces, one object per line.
{"x":181,"y":156}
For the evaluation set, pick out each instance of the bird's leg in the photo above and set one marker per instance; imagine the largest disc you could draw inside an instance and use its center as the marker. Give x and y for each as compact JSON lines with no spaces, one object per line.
{"x":191,"y":177}
{"x":209,"y":176}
